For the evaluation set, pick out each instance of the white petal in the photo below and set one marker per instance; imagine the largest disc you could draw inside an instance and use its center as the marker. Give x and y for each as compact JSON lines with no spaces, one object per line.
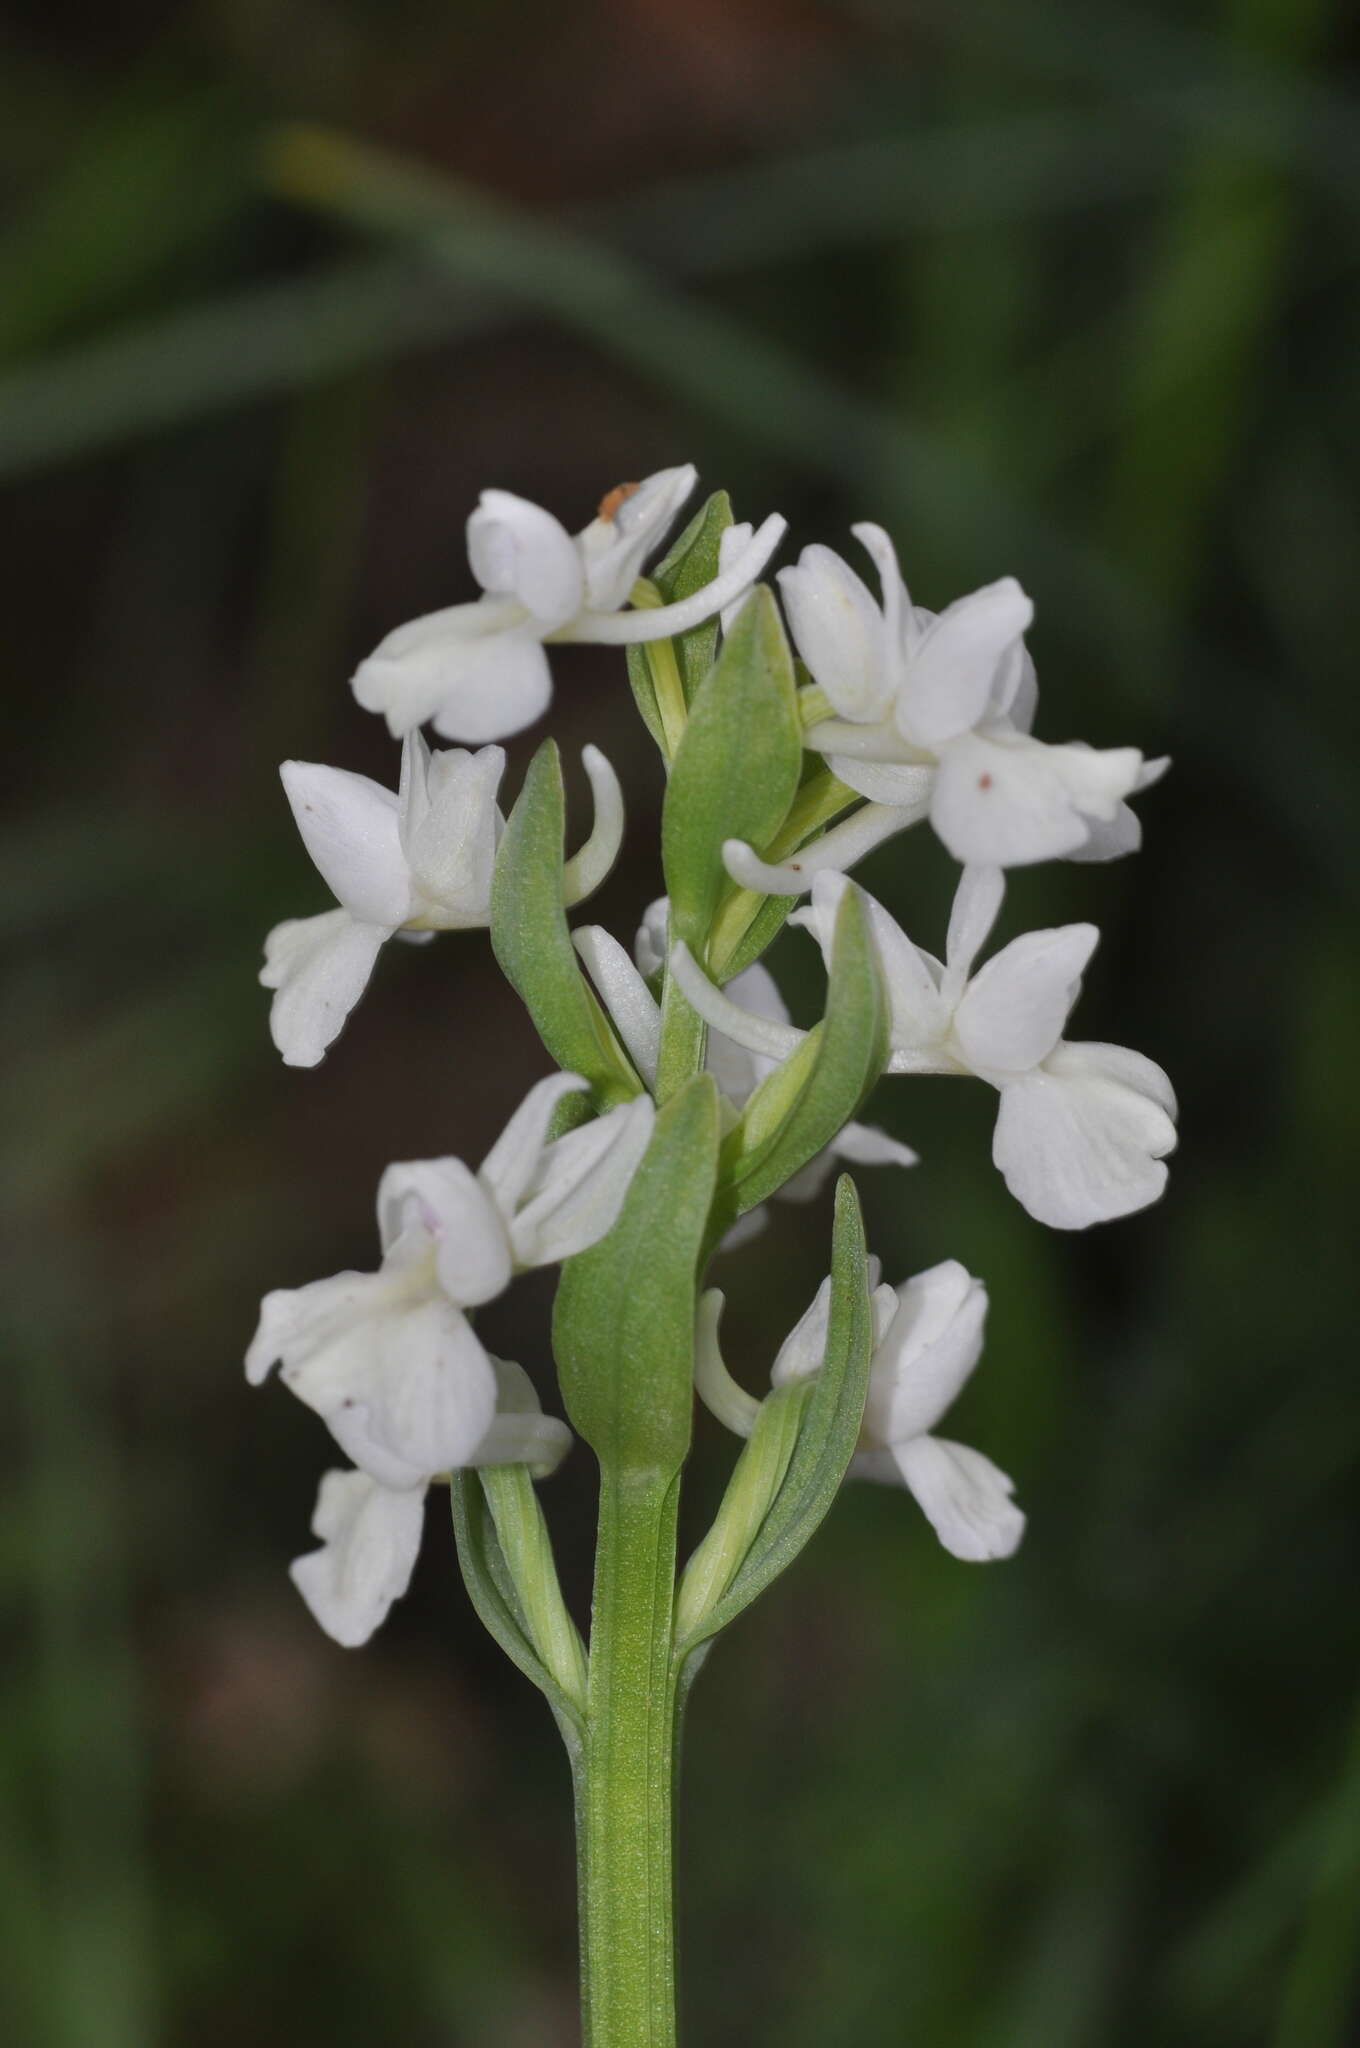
{"x":296,"y":1322}
{"x":581,"y":1183}
{"x":518,"y":550}
{"x":521,"y":1434}
{"x":413,"y":788}
{"x":416,"y":667}
{"x":839,"y":848}
{"x":964,"y":1496}
{"x":1010,"y":800}
{"x":622,"y":629}
{"x":450,"y":829}
{"x":954,"y":667}
{"x":1090,"y":1059}
{"x":907,"y":785}
{"x":836,"y":737}
{"x":731,"y":541}
{"x":349,"y":826}
{"x":1013,"y":1011}
{"x":397,"y":1376}
{"x":319,"y":968}
{"x":501,"y":684}
{"x":448,"y":1202}
{"x":804,"y":1349}
{"x":615,"y":545}
{"x":714,"y":1384}
{"x":652,"y":944}
{"x":866,"y":1145}
{"x":1111,"y":838}
{"x":860,"y":1145}
{"x":1082,"y":1138}
{"x":900,"y":629}
{"x":587,"y":868}
{"x":928,"y":1351}
{"x":757,"y":1034}
{"x":414,"y":1400}
{"x":370,"y":1539}
{"x":977,"y":904}
{"x":839,"y":632}
{"x":633,"y":1010}
{"x":508,"y":1170}
{"x":737,"y":1071}
{"x":1015,"y":699}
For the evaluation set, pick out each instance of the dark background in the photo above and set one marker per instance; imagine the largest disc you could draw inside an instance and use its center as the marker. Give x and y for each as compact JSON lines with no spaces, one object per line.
{"x":1057,"y":290}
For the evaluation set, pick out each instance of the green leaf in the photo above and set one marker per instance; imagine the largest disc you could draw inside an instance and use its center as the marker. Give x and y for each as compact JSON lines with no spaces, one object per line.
{"x":736,"y":770}
{"x":689,"y":564}
{"x":623,"y":1326}
{"x":812,"y":1094}
{"x":533,"y":944}
{"x":830,"y":1427}
{"x":492,"y":1592}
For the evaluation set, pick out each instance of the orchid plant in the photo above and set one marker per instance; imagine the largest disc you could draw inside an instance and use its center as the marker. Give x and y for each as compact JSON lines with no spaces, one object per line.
{"x":683,"y":1103}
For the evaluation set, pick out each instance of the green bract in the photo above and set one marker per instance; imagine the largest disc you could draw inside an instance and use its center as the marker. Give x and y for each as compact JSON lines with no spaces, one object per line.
{"x":533,"y":944}
{"x":736,"y":770}
{"x":827,"y":1432}
{"x":623,"y":1326}
{"x":814,"y":1093}
{"x":501,"y":1604}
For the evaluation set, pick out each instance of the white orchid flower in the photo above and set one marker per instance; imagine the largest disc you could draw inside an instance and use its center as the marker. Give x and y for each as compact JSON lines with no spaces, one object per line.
{"x":370,"y":1534}
{"x":416,"y":862}
{"x":738,"y":1071}
{"x":927,"y":1340}
{"x":1082,"y":1130}
{"x":478,"y":670}
{"x":389,"y":1360}
{"x":932,"y":717}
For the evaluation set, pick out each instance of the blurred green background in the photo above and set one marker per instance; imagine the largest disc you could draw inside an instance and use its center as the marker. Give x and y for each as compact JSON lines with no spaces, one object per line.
{"x":1066,"y":291}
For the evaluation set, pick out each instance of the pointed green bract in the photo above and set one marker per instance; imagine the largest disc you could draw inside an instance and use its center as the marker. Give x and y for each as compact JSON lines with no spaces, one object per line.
{"x":736,"y":770}
{"x":493,"y":1595}
{"x":828,"y":1433}
{"x":531,"y":940}
{"x":814,"y":1093}
{"x":623,"y":1326}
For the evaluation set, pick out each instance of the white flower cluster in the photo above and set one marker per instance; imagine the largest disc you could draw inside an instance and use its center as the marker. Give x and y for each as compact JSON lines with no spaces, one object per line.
{"x":916,"y":716}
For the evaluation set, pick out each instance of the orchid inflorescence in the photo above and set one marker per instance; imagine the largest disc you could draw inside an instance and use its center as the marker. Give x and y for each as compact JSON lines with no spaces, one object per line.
{"x":686,"y":1098}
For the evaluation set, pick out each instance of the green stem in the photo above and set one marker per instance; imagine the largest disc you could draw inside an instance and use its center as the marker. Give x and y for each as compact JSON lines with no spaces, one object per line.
{"x":624,"y":1812}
